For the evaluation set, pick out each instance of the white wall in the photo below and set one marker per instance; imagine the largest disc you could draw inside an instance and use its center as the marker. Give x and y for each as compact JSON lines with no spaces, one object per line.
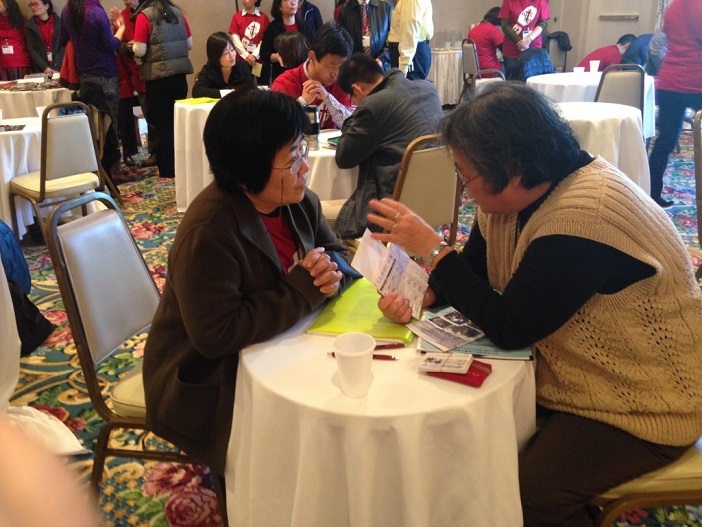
{"x":579,"y":18}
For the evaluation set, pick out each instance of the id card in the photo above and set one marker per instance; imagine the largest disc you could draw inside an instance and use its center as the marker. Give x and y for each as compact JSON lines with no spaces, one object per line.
{"x":365,"y":41}
{"x":8,"y":50}
{"x":49,"y":56}
{"x":250,"y":47}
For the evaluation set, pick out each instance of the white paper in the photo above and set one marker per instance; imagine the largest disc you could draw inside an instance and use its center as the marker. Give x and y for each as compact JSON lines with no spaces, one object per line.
{"x":391,"y":270}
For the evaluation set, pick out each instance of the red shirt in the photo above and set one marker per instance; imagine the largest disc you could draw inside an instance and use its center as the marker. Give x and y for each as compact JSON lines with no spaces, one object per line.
{"x":607,"y":56}
{"x":281,"y":236}
{"x":9,"y":36}
{"x":249,"y":27}
{"x":487,"y":37}
{"x":291,"y":81}
{"x":682,"y":68}
{"x":46,"y":30}
{"x":523,"y":15}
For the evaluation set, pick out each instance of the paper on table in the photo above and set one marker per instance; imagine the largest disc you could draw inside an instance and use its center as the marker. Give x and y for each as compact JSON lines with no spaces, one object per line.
{"x":391,"y":270}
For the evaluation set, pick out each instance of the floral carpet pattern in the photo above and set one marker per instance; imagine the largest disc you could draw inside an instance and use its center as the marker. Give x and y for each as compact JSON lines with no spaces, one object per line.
{"x":136,"y":493}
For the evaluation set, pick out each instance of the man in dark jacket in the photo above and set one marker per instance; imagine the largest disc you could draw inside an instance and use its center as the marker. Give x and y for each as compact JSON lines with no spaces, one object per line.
{"x":392,"y":112}
{"x":378,"y":17}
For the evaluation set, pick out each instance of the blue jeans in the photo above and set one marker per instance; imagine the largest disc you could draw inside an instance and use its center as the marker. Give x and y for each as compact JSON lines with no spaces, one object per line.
{"x":671,"y":109}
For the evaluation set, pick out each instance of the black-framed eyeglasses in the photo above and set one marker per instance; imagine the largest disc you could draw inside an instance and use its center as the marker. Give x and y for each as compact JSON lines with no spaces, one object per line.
{"x":297,"y":162}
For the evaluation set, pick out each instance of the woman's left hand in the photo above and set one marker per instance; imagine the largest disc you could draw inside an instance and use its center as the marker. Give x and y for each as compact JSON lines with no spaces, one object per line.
{"x":323,"y":270}
{"x":405,"y":228}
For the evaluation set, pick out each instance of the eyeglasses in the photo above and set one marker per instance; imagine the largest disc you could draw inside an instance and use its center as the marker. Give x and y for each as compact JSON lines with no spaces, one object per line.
{"x":297,"y":162}
{"x":462,"y":178}
{"x":35,"y":4}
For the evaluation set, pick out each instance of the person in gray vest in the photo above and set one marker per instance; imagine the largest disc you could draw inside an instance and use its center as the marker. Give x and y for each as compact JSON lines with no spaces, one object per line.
{"x":162,"y":39}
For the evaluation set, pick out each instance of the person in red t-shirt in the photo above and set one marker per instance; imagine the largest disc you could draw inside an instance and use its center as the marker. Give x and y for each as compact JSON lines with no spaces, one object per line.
{"x":314,"y":82}
{"x":14,"y":59}
{"x":488,"y":40}
{"x":608,"y":55}
{"x":522,"y":22}
{"x":247,"y":28}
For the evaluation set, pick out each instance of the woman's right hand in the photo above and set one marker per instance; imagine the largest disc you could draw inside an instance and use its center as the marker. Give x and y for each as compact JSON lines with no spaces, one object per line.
{"x":397,"y":308}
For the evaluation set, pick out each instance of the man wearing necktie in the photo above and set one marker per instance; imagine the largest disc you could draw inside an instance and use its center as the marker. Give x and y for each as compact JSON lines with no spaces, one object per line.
{"x":368,"y":23}
{"x":411,"y":28}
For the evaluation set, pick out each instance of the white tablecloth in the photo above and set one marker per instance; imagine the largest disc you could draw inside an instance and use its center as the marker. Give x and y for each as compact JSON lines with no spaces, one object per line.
{"x":20,"y":153}
{"x":612,"y":131}
{"x":416,"y":452}
{"x":16,"y":104}
{"x":192,"y":171}
{"x":582,"y":87}
{"x":446,"y":73}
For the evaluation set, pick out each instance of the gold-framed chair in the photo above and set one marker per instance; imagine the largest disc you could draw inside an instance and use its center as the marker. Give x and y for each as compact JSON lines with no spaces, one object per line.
{"x":470,"y":64}
{"x":677,"y":484}
{"x":69,"y":161}
{"x":697,"y":141}
{"x":109,"y":296}
{"x":622,"y":84}
{"x":427,"y":183}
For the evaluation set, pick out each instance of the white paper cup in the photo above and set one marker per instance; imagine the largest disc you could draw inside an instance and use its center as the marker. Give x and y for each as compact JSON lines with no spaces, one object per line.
{"x":579,"y":69}
{"x":354,"y":357}
{"x":594,"y":65}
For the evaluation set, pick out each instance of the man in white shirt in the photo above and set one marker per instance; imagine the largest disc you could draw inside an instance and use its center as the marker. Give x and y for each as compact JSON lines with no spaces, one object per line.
{"x":411,"y":28}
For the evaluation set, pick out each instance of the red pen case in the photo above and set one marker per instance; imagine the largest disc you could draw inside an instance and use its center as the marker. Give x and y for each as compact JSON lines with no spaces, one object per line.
{"x":475,"y":375}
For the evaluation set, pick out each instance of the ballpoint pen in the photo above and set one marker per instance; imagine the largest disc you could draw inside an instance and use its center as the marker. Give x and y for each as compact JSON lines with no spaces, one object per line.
{"x":376,"y":356}
{"x":391,"y":346}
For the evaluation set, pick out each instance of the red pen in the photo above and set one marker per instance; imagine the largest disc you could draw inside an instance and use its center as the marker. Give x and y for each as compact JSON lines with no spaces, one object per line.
{"x":376,"y":356}
{"x":391,"y":346}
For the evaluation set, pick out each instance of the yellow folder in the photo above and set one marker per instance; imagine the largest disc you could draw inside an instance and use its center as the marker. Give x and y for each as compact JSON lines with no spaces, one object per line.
{"x":356,"y":309}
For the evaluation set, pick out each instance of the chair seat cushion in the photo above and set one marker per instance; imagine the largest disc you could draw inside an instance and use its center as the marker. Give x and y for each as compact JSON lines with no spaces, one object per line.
{"x":29,"y":185}
{"x":684,"y":474}
{"x":128,"y":395}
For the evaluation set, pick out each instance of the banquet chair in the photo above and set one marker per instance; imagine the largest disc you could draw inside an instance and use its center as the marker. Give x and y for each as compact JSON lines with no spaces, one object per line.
{"x":101,"y":123}
{"x":558,"y":45}
{"x":470,"y":65}
{"x":680,"y":483}
{"x":109,"y":296}
{"x":69,"y":161}
{"x":427,"y":183}
{"x":622,"y":84}
{"x":697,"y":140}
{"x":485,"y":77}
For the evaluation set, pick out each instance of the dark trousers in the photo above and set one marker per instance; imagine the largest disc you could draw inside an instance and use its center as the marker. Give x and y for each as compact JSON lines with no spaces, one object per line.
{"x":571,"y":459}
{"x":127,"y":131}
{"x":421,"y":63}
{"x":161,"y":95}
{"x":672,"y":106}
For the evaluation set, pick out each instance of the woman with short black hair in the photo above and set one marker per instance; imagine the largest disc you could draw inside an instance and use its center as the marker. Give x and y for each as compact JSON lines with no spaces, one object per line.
{"x":252,"y":256}
{"x":222,"y":71}
{"x":43,"y":32}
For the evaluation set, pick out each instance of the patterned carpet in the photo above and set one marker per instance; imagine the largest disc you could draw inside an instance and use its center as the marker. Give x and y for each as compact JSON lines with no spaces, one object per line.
{"x":159,"y":495}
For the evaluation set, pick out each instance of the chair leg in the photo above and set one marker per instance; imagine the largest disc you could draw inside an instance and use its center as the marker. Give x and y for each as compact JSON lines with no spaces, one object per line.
{"x":99,"y":460}
{"x":13,"y":211}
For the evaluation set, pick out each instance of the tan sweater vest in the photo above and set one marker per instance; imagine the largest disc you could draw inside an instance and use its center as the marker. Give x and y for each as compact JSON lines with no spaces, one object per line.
{"x":632,"y":359}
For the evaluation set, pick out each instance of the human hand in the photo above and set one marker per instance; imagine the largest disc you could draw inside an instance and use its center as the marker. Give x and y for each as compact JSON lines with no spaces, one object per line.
{"x":524,"y":44}
{"x":397,"y":308}
{"x":117,"y":18}
{"x":312,"y":90}
{"x":405,"y":228}
{"x":323,"y":270}
{"x":250,"y":59}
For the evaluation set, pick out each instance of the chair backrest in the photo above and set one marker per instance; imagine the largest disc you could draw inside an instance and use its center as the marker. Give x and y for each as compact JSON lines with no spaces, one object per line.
{"x":68,"y":141}
{"x":470,"y":58}
{"x":557,"y":55}
{"x":697,"y":141}
{"x":485,"y":77}
{"x":106,"y":287}
{"x":622,"y":84}
{"x":427,"y":183}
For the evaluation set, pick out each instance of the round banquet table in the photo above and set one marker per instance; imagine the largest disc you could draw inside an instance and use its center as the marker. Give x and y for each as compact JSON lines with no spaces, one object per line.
{"x":612,"y":131}
{"x":192,"y":170}
{"x":446,"y":73}
{"x":17,"y":104}
{"x":416,"y":451}
{"x":20,"y":153}
{"x":582,"y":87}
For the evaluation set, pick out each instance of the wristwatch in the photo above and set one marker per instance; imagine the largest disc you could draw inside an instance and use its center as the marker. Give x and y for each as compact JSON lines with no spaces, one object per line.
{"x":435,"y":252}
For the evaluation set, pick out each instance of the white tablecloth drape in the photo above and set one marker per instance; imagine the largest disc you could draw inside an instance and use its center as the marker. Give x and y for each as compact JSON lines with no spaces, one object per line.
{"x":612,"y":131}
{"x":15,"y":104}
{"x":415,"y":452}
{"x":582,"y":87}
{"x":20,"y":153}
{"x":446,"y":73}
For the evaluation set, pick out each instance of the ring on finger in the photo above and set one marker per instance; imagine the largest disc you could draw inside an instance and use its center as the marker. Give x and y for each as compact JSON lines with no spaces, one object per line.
{"x":397,"y":215}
